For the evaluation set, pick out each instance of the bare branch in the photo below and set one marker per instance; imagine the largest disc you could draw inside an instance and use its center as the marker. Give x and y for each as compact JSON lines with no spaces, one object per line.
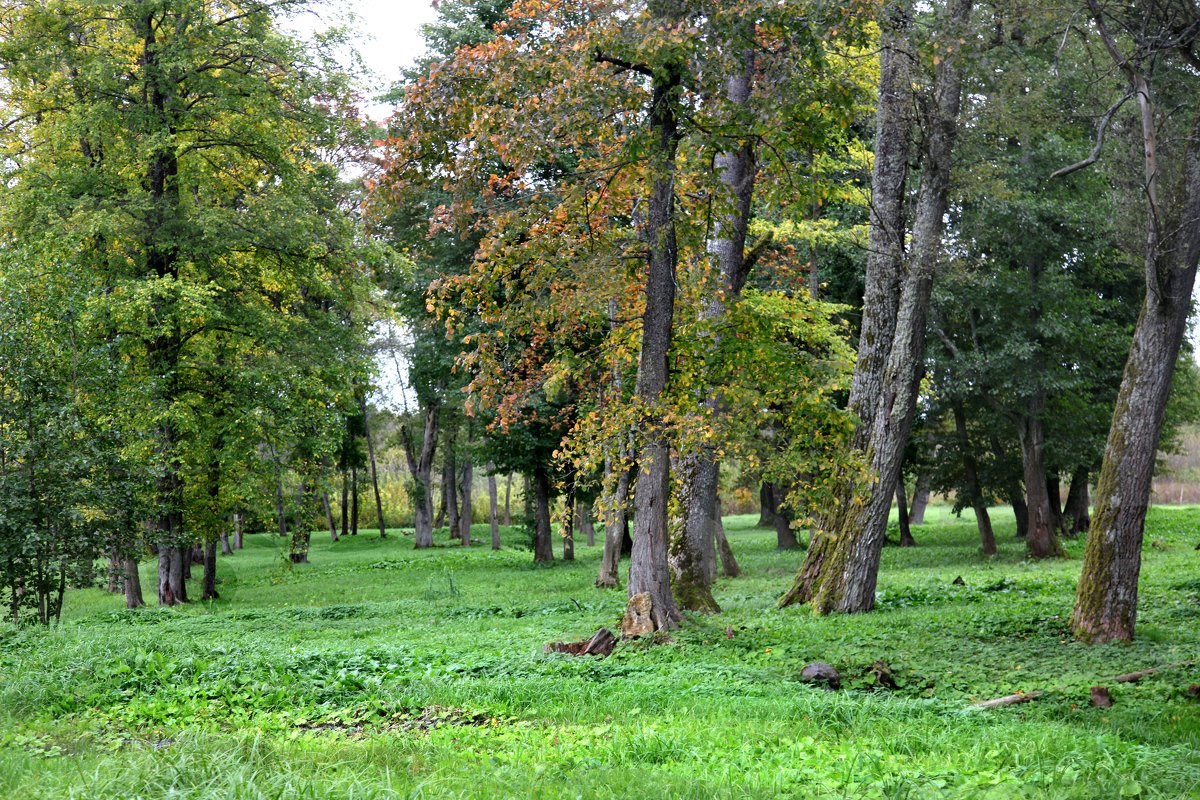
{"x":641,"y":69}
{"x":1101,"y":130}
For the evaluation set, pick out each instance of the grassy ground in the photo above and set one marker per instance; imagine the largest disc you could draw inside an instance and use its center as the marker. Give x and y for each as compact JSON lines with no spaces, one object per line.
{"x":378,"y":671}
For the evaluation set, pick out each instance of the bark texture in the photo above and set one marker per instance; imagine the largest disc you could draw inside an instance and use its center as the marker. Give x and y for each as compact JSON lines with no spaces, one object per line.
{"x":420,"y":469}
{"x":1076,"y":513}
{"x":916,"y":515}
{"x":543,"y":549}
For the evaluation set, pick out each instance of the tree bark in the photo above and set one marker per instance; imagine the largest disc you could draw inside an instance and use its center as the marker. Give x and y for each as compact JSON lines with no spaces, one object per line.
{"x":354,"y":501}
{"x":766,"y":505}
{"x":333,"y":532}
{"x":785,"y":536}
{"x":345,"y":503}
{"x":584,"y":513}
{"x":226,"y":550}
{"x":374,"y":471}
{"x":841,"y":569}
{"x":449,"y":486}
{"x":906,"y":537}
{"x":987,"y":539}
{"x":1054,"y":493}
{"x":1076,"y":511}
{"x":543,"y":549}
{"x":133,"y":584}
{"x":238,"y":543}
{"x":568,"y":526}
{"x":1041,"y":538}
{"x":507,"y":498}
{"x":1106,"y":598}
{"x":729,"y":565}
{"x":466,"y":480}
{"x":420,"y":468}
{"x":920,"y":502}
{"x":493,"y":505}
{"x":614,"y":521}
{"x":210,"y":572}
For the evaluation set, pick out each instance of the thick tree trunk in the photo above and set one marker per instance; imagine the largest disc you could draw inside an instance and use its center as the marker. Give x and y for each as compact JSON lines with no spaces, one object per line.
{"x":374,"y":472}
{"x":420,"y":468}
{"x":906,"y":537}
{"x":210,"y":572}
{"x":543,"y":549}
{"x":766,"y":505}
{"x":987,"y":539}
{"x":333,"y":531}
{"x":920,"y":501}
{"x":1041,"y":538}
{"x":226,"y":550}
{"x":785,"y":536}
{"x":692,"y":560}
{"x":493,"y":505}
{"x":133,"y":584}
{"x":841,"y":569}
{"x":1076,"y":511}
{"x":171,"y":587}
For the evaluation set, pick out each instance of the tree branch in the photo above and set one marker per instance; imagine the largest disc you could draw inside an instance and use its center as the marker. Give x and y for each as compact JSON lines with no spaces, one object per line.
{"x":1101,"y":130}
{"x":620,"y":63}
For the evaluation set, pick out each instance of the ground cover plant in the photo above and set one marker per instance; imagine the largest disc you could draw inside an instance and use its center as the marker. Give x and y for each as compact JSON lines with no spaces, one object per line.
{"x":376,"y":670}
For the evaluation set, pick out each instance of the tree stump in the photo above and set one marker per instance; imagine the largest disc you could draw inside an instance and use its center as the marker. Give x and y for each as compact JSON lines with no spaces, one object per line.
{"x":637,"y":620}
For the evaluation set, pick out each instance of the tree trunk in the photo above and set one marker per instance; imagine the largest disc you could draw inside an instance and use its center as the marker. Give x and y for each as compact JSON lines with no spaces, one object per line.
{"x":300,"y":533}
{"x":729,"y":564}
{"x":615,"y":516}
{"x":785,"y":536}
{"x":493,"y":505}
{"x":692,"y":553}
{"x":226,"y":550}
{"x":1041,"y":538}
{"x":1106,"y":598}
{"x":920,"y":502}
{"x":238,"y":542}
{"x":906,"y":537}
{"x":210,"y":572}
{"x":420,"y":468}
{"x":987,"y":539}
{"x":171,"y":587}
{"x":766,"y":505}
{"x":841,"y":569}
{"x":507,"y":499}
{"x":333,"y":532}
{"x":584,"y":514}
{"x":374,"y":472}
{"x":1054,"y":493}
{"x":450,"y":488}
{"x":1076,"y":511}
{"x":113,"y":584}
{"x":354,"y":501}
{"x":466,"y":479}
{"x":133,"y":584}
{"x":345,"y":503}
{"x":280,"y":518}
{"x":568,"y":525}
{"x":542,"y":548}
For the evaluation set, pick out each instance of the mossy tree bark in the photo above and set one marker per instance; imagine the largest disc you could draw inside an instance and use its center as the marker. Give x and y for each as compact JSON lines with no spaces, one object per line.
{"x":841,"y":569}
{"x":1106,"y":598}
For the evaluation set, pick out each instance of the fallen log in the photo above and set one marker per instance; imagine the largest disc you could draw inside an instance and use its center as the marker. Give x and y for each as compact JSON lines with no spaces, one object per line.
{"x":1009,"y":700}
{"x":1132,"y":677}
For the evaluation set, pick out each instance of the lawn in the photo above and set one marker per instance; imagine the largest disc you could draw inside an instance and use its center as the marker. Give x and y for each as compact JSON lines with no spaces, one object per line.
{"x":379,"y":671}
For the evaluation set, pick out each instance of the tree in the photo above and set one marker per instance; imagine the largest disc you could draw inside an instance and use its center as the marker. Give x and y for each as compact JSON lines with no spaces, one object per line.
{"x":1158,"y":62}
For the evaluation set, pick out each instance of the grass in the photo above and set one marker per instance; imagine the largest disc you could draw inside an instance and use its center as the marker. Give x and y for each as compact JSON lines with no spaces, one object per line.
{"x":378,"y":671}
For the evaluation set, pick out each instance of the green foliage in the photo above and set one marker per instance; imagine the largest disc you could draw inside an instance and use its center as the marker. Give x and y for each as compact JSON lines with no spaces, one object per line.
{"x":352,"y":676}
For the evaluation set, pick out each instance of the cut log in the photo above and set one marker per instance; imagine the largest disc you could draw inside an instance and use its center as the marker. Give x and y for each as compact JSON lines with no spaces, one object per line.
{"x":601,"y":644}
{"x":1133,"y":677}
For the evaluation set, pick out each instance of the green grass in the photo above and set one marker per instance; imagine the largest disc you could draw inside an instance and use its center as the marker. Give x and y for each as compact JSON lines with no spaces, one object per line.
{"x":379,"y":671}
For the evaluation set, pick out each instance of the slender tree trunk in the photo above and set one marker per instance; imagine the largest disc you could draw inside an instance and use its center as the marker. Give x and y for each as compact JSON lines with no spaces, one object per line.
{"x":114,"y":570}
{"x":507,"y":499}
{"x":354,"y":509}
{"x":449,"y":488}
{"x":1076,"y":511}
{"x":300,"y":533}
{"x":987,"y":539}
{"x":226,"y":550}
{"x":133,"y":584}
{"x":584,"y":513}
{"x":906,"y":537}
{"x":345,"y":503}
{"x":542,"y":547}
{"x":568,"y":526}
{"x":920,"y":500}
{"x":1041,"y":539}
{"x":280,"y":518}
{"x":729,"y":564}
{"x":1054,"y":493}
{"x":374,"y":472}
{"x":420,"y":468}
{"x":785,"y":536}
{"x":841,"y":569}
{"x":238,"y":542}
{"x":493,"y":505}
{"x":614,"y":521}
{"x":333,"y":532}
{"x":466,"y":479}
{"x":210,"y":572}
{"x":1020,"y":512}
